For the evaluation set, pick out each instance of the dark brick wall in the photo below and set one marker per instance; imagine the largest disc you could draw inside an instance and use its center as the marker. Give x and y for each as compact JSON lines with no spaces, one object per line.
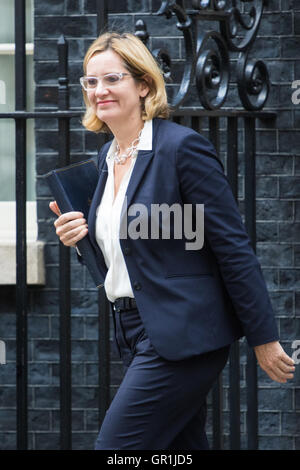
{"x":278,"y":223}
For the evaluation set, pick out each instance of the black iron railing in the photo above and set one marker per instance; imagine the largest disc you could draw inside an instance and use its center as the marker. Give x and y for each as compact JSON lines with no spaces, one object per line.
{"x":21,"y":252}
{"x":232,"y":117}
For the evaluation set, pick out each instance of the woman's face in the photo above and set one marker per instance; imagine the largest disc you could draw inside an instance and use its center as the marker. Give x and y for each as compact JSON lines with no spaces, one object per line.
{"x":119,"y":103}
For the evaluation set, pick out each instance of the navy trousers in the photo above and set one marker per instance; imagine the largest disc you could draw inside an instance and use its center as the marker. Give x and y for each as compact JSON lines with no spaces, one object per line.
{"x":160,"y":404}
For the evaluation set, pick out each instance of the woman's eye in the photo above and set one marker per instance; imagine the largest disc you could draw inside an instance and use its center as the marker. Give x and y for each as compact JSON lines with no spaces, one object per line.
{"x":112,"y":78}
{"x":92,"y":82}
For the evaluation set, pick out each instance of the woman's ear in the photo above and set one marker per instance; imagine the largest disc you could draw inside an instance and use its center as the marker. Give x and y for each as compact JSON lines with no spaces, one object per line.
{"x":145,"y":86}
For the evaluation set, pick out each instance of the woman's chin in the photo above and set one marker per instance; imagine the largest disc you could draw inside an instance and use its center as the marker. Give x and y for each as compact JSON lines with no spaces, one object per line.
{"x":107,"y":116}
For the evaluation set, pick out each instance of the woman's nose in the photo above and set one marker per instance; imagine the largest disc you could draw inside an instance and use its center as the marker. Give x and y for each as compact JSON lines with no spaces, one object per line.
{"x":100,"y":89}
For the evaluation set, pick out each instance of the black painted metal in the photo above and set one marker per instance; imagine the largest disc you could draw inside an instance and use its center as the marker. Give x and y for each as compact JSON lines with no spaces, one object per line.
{"x":217,"y":414}
{"x":217,"y":393}
{"x":104,"y":354}
{"x":64,"y":262}
{"x":21,"y":256}
{"x":250,"y":221}
{"x":253,"y":82}
{"x":208,"y":52}
{"x":234,"y":396}
{"x":232,"y":154}
{"x":103,"y":304}
{"x":250,"y":178}
{"x":179,"y":112}
{"x":252,"y":400}
{"x":196,"y":123}
{"x":102,"y":15}
{"x":214,"y":132}
{"x":184,"y":25}
{"x":234,"y":358}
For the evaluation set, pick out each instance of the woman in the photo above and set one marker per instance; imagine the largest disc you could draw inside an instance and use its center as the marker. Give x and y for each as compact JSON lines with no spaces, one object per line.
{"x":177,"y":307}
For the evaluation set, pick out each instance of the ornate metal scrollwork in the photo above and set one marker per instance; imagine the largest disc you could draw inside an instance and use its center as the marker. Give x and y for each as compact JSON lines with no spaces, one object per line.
{"x":204,"y":4}
{"x":161,"y":55}
{"x":207,"y":53}
{"x":253,"y":82}
{"x":170,"y":8}
{"x":212,"y":70}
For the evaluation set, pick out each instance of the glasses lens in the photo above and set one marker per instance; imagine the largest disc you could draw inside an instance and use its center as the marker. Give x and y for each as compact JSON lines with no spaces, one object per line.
{"x":90,"y":82}
{"x":111,"y":79}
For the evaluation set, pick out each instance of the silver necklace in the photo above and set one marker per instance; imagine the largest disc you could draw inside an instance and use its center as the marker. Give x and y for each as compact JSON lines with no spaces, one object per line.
{"x":120,"y":160}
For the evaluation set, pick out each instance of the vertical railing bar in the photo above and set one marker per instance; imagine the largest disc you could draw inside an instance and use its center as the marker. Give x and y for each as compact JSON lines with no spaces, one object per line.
{"x":217,"y":392}
{"x":103,"y":304}
{"x":250,"y":220}
{"x":21,"y":252}
{"x":176,"y":118}
{"x":250,"y":182}
{"x":102,"y":16}
{"x":232,"y":154}
{"x":104,"y":354}
{"x":20,"y":55}
{"x":196,"y":123}
{"x":234,"y":357}
{"x":234,"y":396}
{"x":64,"y":262}
{"x":217,"y":401}
{"x":214,"y":132}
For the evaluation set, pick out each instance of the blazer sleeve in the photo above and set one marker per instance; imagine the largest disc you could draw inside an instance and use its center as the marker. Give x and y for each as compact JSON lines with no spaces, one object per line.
{"x":202,"y":181}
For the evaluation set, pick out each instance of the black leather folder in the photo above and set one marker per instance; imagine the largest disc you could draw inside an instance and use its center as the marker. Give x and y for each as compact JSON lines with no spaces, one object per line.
{"x":73,"y":188}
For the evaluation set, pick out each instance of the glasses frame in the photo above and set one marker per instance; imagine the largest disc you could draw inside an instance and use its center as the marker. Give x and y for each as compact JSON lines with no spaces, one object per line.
{"x":120,"y":75}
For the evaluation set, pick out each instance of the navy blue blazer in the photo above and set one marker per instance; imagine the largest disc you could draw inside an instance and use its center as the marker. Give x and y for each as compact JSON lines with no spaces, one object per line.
{"x":190,"y":301}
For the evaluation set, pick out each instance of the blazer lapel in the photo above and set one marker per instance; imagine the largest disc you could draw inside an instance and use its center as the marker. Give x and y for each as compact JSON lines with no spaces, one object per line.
{"x":143,"y":160}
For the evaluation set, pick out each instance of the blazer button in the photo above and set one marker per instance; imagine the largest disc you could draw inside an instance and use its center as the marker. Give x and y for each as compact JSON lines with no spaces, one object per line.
{"x":127,"y":250}
{"x":137,"y":285}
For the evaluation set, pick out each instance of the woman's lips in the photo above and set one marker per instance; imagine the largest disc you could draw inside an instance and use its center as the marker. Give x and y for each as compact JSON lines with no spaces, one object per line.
{"x":103,"y":103}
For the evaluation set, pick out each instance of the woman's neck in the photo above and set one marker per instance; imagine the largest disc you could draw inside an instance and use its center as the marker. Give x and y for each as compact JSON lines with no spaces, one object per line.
{"x":127,"y":133}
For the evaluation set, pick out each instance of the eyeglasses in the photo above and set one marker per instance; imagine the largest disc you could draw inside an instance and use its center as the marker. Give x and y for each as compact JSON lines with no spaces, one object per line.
{"x":108,"y":80}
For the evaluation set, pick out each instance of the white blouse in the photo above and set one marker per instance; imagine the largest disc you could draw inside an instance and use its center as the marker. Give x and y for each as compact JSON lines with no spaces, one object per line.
{"x":117,"y":283}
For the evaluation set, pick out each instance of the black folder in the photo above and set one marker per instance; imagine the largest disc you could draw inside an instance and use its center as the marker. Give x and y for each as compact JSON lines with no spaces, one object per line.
{"x":73,"y":188}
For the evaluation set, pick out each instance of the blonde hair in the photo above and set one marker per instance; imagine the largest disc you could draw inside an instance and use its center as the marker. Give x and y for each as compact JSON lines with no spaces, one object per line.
{"x":139,"y":62}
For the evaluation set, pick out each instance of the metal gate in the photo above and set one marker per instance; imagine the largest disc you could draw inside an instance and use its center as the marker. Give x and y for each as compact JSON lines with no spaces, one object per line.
{"x":207,"y":69}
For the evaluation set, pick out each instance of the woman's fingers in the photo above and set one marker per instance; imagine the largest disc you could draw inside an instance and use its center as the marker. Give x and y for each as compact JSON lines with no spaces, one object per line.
{"x":281,"y":375}
{"x":275,"y":362}
{"x":71,"y":232}
{"x":279,"y":372}
{"x":278,"y":377}
{"x":68,"y":217}
{"x":275,"y":372}
{"x":72,"y":237}
{"x":54,"y":207}
{"x":285,"y":367}
{"x":70,"y":227}
{"x":287,"y":359}
{"x":63,"y":225}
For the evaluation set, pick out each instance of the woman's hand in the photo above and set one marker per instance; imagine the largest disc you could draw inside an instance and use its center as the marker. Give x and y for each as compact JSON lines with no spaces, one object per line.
{"x":275,"y":362}
{"x":70,"y":227}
